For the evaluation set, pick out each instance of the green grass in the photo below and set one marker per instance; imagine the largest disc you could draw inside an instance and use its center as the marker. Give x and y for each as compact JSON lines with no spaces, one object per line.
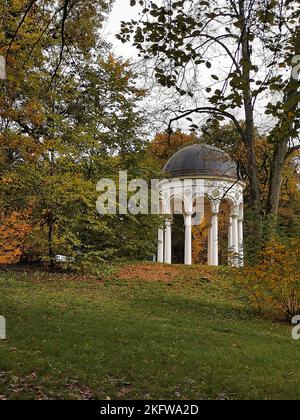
{"x":183,"y":339}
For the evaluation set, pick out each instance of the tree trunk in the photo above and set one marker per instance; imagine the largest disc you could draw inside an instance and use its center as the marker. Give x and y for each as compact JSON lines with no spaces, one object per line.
{"x":255,"y":199}
{"x":253,"y":223}
{"x":281,"y":136}
{"x":276,"y":178}
{"x":252,"y":169}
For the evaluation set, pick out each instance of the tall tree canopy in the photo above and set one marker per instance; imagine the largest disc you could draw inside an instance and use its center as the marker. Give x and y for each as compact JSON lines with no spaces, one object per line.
{"x":68,"y":117}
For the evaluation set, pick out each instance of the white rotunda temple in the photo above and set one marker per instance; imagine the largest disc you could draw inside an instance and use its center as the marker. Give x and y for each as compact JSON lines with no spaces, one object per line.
{"x":198,"y":179}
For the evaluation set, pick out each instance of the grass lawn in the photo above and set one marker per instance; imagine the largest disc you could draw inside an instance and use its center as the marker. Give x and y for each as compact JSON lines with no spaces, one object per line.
{"x":150,"y":332}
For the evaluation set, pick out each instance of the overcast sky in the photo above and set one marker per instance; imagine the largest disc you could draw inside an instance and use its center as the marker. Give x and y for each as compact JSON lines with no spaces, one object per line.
{"x":121,"y":11}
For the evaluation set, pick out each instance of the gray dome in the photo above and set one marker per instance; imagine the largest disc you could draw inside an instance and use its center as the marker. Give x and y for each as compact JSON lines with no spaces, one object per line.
{"x":201,"y":160}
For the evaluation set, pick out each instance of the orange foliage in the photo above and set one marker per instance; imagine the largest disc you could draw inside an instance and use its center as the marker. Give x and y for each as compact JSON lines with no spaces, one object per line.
{"x":274,"y":285}
{"x":26,"y":146}
{"x":200,"y":236}
{"x":13,"y":232}
{"x":200,"y":242}
{"x":164,"y":146}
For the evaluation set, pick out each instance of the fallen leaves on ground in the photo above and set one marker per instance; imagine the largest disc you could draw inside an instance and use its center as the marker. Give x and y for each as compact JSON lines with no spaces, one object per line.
{"x":165,"y":273}
{"x":150,"y":272}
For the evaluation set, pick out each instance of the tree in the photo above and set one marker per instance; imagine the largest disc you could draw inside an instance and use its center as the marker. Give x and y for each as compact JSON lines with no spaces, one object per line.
{"x":34,"y":104}
{"x":186,"y":35}
{"x":66,"y":121}
{"x":60,"y":20}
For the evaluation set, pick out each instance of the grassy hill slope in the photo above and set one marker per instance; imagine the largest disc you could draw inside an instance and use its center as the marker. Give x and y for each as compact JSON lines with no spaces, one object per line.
{"x":144,"y":332}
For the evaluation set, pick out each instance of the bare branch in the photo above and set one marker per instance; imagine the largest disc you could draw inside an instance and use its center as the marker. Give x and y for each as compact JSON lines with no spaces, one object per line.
{"x":63,"y":39}
{"x":218,"y":41}
{"x":42,"y":34}
{"x":29,"y":7}
{"x":209,"y":110}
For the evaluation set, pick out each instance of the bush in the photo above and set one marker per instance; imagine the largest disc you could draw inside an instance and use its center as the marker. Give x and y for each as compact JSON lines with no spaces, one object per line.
{"x":273,"y":286}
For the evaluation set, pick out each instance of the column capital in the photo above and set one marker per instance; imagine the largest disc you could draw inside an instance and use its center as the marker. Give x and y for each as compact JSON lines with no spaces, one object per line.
{"x":234,"y":216}
{"x":215,"y":206}
{"x":215,"y":213}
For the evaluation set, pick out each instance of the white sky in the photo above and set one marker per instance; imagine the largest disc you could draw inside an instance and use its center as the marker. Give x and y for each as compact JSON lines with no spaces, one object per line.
{"x":121,"y":11}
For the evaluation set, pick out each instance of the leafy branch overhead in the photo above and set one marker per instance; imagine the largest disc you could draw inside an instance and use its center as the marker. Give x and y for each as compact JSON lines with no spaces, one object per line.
{"x":244,"y":51}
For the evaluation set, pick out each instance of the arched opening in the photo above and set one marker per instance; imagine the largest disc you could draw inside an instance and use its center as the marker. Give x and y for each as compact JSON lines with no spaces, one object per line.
{"x":201,"y":233}
{"x":224,"y":227}
{"x":178,"y":239}
{"x":177,"y":206}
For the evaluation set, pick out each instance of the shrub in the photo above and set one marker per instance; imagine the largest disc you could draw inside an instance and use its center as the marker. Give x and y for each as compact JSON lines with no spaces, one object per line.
{"x":14,"y":229}
{"x":273,"y":286}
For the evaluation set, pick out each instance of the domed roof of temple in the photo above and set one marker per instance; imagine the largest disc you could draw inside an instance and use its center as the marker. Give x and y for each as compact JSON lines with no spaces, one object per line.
{"x":201,"y":160}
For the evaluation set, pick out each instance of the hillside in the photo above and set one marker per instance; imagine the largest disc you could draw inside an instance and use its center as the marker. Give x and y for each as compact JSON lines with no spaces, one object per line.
{"x":141,"y":332}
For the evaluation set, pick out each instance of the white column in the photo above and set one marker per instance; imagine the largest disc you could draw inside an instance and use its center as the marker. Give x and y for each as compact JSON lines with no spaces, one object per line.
{"x":230,"y":242}
{"x":241,"y":241}
{"x":188,"y":240}
{"x":168,"y":242}
{"x":209,"y":247}
{"x":215,"y":239}
{"x":160,"y":252}
{"x":235,"y":240}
